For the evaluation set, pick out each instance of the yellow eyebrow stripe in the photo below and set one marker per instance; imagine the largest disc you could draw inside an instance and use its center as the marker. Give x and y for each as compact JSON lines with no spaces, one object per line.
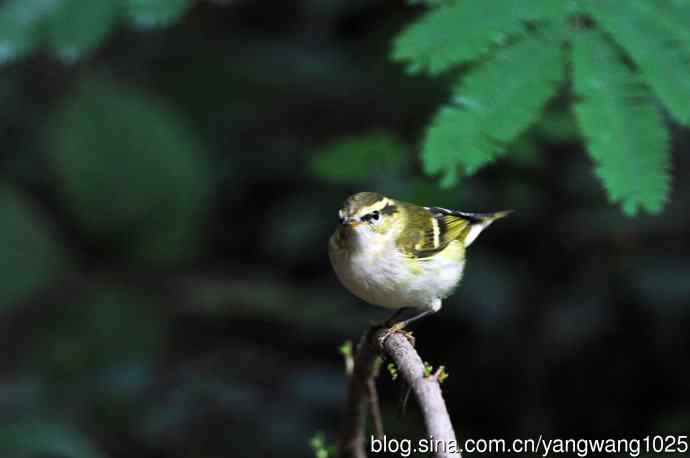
{"x":378,"y":205}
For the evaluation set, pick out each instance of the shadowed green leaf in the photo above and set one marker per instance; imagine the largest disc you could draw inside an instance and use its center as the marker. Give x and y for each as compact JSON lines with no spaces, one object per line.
{"x":77,"y":27}
{"x":156,"y":13}
{"x":358,"y":158}
{"x":558,"y":127}
{"x":490,"y":109}
{"x":105,"y":330}
{"x":31,"y":438}
{"x":31,"y":257}
{"x":132,"y":170}
{"x":625,"y":134}
{"x":20,"y":22}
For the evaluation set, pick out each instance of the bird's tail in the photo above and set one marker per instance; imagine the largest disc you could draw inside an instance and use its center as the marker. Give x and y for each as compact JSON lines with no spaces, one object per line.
{"x":480,"y":221}
{"x":478,"y":218}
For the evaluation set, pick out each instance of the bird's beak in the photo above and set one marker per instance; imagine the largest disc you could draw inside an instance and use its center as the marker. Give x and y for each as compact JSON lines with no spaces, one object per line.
{"x":350,"y":222}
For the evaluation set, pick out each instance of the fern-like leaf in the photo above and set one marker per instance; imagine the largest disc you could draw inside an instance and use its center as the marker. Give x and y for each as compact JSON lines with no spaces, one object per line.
{"x":493,"y":105}
{"x":462,"y":31}
{"x":657,"y":38}
{"x":625,"y":133}
{"x":673,"y":15}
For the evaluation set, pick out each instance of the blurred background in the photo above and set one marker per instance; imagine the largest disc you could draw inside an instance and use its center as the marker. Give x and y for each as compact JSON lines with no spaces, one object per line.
{"x":165,"y":206}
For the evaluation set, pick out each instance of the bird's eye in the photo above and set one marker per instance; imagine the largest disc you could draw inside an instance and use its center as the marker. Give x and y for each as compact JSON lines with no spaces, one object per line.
{"x":371,"y":216}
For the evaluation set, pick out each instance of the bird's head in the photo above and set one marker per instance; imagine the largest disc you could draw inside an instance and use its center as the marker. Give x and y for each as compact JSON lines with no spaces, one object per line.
{"x":369,"y":216}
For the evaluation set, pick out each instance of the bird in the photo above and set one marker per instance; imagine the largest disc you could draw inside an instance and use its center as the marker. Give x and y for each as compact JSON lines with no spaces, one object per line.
{"x":402,"y":256}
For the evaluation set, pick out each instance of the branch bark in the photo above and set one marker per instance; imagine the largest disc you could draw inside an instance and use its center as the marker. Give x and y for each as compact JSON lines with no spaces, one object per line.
{"x":427,"y":391}
{"x":352,"y":440}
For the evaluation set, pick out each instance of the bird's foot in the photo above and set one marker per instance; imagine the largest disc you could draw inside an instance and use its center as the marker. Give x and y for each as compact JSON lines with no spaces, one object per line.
{"x":395,"y":328}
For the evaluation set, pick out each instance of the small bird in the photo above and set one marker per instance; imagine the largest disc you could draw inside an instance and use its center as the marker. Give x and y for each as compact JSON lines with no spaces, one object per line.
{"x":400,"y":255}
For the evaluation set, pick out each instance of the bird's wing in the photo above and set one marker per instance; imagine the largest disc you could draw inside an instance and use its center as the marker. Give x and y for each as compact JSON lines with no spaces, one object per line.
{"x":440,"y":226}
{"x":437,"y":228}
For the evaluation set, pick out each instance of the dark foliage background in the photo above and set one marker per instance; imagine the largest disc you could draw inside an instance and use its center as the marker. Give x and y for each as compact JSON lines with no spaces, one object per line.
{"x":165,"y":290}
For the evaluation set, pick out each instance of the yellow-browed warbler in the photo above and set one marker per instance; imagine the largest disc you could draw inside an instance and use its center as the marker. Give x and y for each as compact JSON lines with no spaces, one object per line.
{"x":400,"y":255}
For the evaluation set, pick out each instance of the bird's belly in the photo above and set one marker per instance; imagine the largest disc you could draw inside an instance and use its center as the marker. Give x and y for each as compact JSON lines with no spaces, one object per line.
{"x":389,"y":280}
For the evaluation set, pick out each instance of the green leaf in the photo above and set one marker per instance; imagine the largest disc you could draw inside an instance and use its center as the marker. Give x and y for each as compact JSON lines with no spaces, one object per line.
{"x":32,"y":437}
{"x":132,"y":170}
{"x":358,"y":158}
{"x":77,"y":28}
{"x":425,"y":191}
{"x":671,"y":15}
{"x":105,"y":330}
{"x":558,"y":127}
{"x":493,"y":104}
{"x":320,"y":446}
{"x":625,"y":133}
{"x":457,"y":32}
{"x":156,"y":13}
{"x":20,"y":26}
{"x":524,"y":150}
{"x":31,"y":257}
{"x":657,"y":37}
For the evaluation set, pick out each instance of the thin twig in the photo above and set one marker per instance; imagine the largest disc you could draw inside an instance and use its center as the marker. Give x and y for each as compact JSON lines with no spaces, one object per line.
{"x":427,"y":390}
{"x":375,"y":408}
{"x":351,"y":443}
{"x":396,"y":346}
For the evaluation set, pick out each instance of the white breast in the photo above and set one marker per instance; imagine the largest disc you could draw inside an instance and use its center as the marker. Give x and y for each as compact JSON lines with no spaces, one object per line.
{"x":381,"y":275}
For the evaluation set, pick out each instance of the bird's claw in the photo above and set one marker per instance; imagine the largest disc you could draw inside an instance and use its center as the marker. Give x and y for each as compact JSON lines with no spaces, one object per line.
{"x":396,"y":328}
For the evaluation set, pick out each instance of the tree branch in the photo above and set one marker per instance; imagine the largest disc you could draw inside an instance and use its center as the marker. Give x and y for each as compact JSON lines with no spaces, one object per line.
{"x":427,"y":391}
{"x":375,"y":408}
{"x":352,"y":440}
